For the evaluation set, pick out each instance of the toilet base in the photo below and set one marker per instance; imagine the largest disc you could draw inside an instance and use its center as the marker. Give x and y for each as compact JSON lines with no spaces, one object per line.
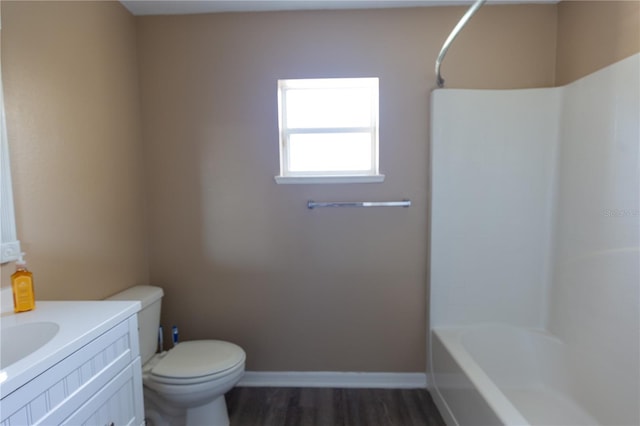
{"x":159,"y":413}
{"x":213,"y":414}
{"x":191,"y":404}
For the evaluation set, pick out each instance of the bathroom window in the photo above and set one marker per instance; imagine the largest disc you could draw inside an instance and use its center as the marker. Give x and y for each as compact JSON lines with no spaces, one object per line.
{"x":328,"y":130}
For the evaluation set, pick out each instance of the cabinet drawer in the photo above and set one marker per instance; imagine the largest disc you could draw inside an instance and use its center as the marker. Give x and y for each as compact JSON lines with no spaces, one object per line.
{"x":52,"y":396}
{"x":116,"y":404}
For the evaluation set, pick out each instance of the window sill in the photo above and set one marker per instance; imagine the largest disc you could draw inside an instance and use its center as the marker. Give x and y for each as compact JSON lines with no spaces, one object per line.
{"x":328,"y":179}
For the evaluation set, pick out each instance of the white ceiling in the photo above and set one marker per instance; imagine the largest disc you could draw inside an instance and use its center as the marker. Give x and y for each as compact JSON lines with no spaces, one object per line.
{"x":179,"y":7}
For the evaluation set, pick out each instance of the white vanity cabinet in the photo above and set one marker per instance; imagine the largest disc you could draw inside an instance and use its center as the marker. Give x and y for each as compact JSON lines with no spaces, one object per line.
{"x":98,"y":384}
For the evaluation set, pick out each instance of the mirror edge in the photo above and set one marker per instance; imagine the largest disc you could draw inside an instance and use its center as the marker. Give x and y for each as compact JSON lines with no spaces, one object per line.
{"x":10,"y":246}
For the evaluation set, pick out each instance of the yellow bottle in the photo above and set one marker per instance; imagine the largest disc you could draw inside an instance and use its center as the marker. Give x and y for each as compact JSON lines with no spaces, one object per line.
{"x":22,"y":284}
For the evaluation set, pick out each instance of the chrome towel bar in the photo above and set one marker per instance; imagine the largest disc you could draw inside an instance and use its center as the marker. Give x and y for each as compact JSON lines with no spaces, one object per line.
{"x":404,"y":203}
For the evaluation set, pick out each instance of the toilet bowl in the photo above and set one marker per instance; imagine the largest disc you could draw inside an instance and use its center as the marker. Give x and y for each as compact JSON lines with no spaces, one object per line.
{"x":194,"y":376}
{"x":186,"y":384}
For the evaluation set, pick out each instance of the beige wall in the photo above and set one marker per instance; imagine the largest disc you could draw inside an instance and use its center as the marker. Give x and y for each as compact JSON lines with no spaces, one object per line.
{"x":594,"y":34}
{"x":71,"y":94}
{"x":240,"y":257}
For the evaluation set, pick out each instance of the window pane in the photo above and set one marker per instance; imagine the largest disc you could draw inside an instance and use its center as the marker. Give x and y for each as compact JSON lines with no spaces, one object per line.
{"x":328,"y":107}
{"x":330,"y":152}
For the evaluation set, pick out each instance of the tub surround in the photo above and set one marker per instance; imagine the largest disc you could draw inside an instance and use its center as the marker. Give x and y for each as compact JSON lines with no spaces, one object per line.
{"x":545,"y":236}
{"x":491,"y":204}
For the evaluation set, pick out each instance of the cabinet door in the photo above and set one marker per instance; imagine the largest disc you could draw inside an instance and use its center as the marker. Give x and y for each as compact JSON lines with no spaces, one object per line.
{"x":58,"y":392}
{"x":118,"y":403}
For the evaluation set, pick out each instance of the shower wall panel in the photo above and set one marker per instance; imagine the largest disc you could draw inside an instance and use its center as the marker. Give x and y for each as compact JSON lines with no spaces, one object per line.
{"x":595,"y":298}
{"x":494,"y":160}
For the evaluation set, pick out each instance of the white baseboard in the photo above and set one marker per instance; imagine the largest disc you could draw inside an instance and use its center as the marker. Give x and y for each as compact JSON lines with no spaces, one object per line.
{"x":332,"y":379}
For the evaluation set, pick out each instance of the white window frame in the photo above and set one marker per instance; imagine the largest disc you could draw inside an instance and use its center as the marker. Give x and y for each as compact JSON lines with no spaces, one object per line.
{"x":371,"y":175}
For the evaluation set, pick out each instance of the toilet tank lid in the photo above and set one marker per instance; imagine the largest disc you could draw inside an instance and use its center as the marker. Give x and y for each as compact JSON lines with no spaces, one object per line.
{"x":146,"y":294}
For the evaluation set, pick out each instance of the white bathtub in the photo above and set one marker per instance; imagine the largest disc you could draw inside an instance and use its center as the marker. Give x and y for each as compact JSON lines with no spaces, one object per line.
{"x":495,"y":374}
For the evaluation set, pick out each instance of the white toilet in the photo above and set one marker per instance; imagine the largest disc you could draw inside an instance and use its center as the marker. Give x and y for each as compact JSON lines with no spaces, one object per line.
{"x":186,"y":384}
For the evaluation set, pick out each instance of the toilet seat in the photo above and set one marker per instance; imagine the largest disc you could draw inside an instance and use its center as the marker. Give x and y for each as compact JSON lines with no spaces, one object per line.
{"x":195,"y":362}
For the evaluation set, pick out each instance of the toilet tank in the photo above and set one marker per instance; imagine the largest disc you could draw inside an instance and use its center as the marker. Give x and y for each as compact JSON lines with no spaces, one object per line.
{"x":150,"y":297}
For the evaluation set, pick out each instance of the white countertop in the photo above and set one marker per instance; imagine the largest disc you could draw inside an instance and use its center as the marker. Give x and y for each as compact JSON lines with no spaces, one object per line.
{"x":79,"y":322}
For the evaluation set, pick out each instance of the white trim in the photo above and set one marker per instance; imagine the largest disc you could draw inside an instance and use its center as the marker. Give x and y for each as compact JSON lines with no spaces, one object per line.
{"x":178,"y":7}
{"x":9,"y":251}
{"x":328,"y":179}
{"x":334,"y":379}
{"x":368,"y":128}
{"x":9,"y":244}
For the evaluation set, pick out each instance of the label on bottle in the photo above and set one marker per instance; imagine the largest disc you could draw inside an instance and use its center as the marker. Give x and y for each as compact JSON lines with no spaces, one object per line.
{"x":23,"y":293}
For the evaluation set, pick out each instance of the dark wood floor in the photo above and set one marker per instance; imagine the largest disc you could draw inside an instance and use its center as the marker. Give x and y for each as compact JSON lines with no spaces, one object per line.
{"x":331,"y":407}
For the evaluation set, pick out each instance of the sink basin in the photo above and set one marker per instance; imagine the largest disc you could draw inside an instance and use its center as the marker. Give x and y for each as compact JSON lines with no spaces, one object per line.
{"x":20,"y":340}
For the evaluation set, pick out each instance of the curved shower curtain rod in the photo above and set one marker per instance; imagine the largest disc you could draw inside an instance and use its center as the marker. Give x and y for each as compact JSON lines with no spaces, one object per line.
{"x":456,"y":30}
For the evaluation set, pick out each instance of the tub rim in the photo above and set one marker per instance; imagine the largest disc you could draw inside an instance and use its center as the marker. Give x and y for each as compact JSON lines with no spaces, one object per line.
{"x":450,"y":337}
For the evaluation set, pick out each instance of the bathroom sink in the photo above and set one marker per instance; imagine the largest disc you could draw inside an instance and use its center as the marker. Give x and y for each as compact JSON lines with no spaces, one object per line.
{"x":35,"y":341}
{"x":18,"y":341}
